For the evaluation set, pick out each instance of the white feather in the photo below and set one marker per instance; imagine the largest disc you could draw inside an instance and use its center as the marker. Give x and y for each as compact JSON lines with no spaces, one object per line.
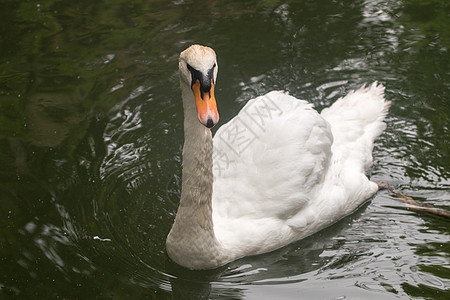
{"x":282,"y":171}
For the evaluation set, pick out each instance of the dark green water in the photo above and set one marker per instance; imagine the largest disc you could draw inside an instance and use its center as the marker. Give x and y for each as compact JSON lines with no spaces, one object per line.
{"x":91,"y":136}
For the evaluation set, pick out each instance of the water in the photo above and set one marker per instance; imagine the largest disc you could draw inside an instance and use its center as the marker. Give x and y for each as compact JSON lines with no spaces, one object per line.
{"x":91,"y":136}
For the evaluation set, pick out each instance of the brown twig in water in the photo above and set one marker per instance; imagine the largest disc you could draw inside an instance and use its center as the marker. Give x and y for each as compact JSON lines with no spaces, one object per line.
{"x":413,"y":204}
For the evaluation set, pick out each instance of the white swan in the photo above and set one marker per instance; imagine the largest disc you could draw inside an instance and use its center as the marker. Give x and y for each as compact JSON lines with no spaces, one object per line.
{"x":278,"y":172}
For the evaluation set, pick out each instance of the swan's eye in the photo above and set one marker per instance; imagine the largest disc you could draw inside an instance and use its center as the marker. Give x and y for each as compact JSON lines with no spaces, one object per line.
{"x":211,"y":73}
{"x":195,"y":74}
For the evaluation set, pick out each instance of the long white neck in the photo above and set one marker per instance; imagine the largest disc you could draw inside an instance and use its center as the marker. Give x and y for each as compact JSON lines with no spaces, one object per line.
{"x":191,"y":241}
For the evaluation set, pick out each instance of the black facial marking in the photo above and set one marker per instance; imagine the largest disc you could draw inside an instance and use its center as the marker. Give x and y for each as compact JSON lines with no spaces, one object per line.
{"x":204,"y":79}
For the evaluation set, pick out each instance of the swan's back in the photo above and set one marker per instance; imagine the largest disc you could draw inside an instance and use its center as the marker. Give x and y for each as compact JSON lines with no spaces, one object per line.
{"x":282,"y":171}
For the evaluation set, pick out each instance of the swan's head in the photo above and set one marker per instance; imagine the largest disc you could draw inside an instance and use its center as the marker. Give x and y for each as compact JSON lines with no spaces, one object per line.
{"x":198,"y":69}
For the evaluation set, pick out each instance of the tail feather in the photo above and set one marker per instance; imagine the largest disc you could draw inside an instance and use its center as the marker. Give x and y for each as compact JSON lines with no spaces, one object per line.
{"x":356,"y":121}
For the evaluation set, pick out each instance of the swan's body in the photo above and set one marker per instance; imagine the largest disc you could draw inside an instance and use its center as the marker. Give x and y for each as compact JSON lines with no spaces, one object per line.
{"x":278,"y":172}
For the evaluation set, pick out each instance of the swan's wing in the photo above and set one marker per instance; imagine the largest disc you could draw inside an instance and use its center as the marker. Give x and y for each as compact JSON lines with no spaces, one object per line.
{"x":356,"y":121}
{"x":278,"y":174}
{"x":269,"y":159}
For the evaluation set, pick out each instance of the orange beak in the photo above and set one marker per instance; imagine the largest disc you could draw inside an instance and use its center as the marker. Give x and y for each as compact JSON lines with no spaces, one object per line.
{"x":206,"y":105}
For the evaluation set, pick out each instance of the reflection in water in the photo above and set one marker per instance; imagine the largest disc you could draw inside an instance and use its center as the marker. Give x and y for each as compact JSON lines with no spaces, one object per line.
{"x":91,"y":136}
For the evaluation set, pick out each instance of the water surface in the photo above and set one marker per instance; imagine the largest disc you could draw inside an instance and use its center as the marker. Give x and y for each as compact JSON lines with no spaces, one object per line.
{"x":91,"y":137}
